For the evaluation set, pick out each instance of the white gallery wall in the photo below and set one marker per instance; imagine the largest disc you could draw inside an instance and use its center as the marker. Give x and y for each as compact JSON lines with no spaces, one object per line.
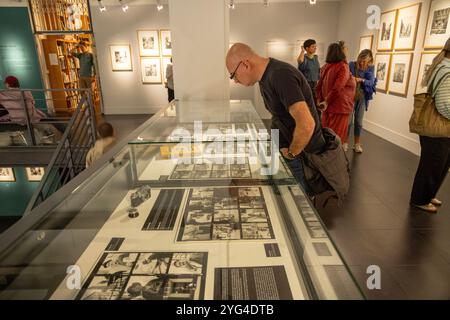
{"x":123,"y":91}
{"x":254,"y":24}
{"x":388,"y":115}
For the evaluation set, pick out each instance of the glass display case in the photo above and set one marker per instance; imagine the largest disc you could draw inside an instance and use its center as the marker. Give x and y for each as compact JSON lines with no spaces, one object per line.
{"x":196,"y":204}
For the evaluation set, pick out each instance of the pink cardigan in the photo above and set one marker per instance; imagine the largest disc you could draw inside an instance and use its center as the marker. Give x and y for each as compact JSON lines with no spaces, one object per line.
{"x":11,"y":99}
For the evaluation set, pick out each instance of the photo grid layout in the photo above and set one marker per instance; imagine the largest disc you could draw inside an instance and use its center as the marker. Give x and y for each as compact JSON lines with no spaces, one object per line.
{"x":212,"y":170}
{"x":225,"y":214}
{"x":147,"y":276}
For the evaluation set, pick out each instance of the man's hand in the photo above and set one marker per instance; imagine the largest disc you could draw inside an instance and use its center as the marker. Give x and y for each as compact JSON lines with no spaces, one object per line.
{"x":285,"y":153}
{"x":322,"y":106}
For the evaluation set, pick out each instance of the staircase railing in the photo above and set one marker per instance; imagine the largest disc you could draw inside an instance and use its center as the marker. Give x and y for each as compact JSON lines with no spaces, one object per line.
{"x":70,"y":155}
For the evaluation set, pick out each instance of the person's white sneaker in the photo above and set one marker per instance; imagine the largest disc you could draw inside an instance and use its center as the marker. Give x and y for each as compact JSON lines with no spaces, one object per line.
{"x":345,"y":147}
{"x":358,"y":148}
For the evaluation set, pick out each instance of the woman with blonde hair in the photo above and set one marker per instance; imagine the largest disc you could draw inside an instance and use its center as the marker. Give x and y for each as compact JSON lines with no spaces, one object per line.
{"x":435,"y":152}
{"x":363,"y":70}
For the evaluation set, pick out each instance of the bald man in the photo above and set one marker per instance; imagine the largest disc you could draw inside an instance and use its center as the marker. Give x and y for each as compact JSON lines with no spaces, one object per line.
{"x":288,"y":97}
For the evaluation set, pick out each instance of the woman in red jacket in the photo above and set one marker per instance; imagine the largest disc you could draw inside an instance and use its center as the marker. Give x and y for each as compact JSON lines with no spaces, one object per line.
{"x":336,"y":91}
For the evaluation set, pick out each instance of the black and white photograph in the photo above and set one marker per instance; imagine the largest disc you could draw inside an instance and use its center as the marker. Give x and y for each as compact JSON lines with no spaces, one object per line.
{"x":365,"y":42}
{"x":381,"y":71}
{"x":151,"y":70}
{"x":405,"y":28}
{"x":201,"y":174}
{"x":220,"y":167}
{"x":382,"y":64}
{"x":181,"y":175}
{"x":120,"y":57}
{"x":148,"y":41}
{"x":117,"y":263}
{"x":399,"y":72}
{"x":438,"y":26}
{"x":152,"y":263}
{"x":226,"y":231}
{"x":145,"y":288}
{"x":202,"y":193}
{"x":408,"y":20}
{"x":225,"y":203}
{"x":249,"y":192}
{"x":199,"y":217}
{"x":166,"y":43}
{"x":220,"y":174}
{"x":105,"y":288}
{"x":241,"y":174}
{"x":196,"y":232}
{"x":184,"y":166}
{"x":440,"y":21}
{"x":386,"y":31}
{"x":253,"y":215}
{"x":256,"y":231}
{"x":425,"y":63}
{"x":251,"y":202}
{"x":226,"y":216}
{"x":187,"y":263}
{"x":200,"y":204}
{"x":7,"y":175}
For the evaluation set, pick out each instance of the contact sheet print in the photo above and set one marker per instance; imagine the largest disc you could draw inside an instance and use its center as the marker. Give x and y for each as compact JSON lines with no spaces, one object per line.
{"x":147,"y":276}
{"x":227,"y":213}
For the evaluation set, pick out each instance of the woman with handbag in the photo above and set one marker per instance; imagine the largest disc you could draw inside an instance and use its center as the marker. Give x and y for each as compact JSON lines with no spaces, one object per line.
{"x":434,"y":131}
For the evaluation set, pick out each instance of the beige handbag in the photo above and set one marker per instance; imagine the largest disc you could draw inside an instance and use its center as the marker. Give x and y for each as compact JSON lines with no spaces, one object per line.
{"x":425,"y":119}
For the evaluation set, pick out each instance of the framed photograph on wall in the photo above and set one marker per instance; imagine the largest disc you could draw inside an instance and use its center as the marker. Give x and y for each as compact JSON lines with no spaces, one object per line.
{"x":166,"y":43}
{"x":425,"y":63}
{"x":35,"y":173}
{"x":382,"y":68}
{"x":365,"y":42}
{"x":164,"y":62}
{"x":407,"y":24}
{"x":121,"y":57}
{"x":400,"y":74}
{"x":7,"y":175}
{"x":438,"y":25}
{"x":151,"y":70}
{"x":148,"y":41}
{"x":387,"y":29}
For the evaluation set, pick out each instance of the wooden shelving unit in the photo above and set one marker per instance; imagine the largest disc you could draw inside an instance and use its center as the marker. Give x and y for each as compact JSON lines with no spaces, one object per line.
{"x":65,"y":74}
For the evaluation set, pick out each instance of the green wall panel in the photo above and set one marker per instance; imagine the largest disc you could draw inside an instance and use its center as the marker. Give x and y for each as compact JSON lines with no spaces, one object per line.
{"x":18,"y":54}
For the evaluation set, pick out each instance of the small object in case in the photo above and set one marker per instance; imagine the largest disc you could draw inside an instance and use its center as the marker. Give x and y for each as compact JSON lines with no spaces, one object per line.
{"x":142,"y":194}
{"x":133,"y":213}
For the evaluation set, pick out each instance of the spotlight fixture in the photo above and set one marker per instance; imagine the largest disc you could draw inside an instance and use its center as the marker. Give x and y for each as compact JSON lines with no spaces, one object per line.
{"x":231,"y":5}
{"x":266,"y":3}
{"x":124,"y":5}
{"x":101,"y":6}
{"x":312,"y":2}
{"x":159,"y":6}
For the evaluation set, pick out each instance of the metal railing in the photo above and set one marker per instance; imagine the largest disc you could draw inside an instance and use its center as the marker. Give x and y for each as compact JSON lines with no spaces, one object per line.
{"x":26,"y":124}
{"x":70,"y":155}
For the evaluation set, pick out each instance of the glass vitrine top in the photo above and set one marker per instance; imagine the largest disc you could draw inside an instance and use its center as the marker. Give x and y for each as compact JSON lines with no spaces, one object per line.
{"x":205,"y":121}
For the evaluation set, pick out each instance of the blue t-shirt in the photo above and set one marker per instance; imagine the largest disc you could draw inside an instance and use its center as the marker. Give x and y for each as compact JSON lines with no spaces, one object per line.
{"x":310,"y":68}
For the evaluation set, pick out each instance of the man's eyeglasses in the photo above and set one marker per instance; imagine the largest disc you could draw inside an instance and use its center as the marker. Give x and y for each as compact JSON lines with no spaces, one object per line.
{"x":234,"y":72}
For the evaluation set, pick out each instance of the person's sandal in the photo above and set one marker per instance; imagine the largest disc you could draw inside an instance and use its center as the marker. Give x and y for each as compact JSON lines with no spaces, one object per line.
{"x":436,"y":202}
{"x":427,"y":207}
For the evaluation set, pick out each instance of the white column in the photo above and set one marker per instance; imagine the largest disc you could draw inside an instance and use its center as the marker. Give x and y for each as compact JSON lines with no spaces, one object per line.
{"x":200,"y":37}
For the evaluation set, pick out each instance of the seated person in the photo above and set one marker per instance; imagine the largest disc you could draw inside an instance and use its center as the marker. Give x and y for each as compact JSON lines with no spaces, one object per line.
{"x":11,"y":100}
{"x":102,"y":145}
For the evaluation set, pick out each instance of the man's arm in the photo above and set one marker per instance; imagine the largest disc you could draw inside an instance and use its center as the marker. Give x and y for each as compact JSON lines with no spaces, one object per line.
{"x":304,"y":126}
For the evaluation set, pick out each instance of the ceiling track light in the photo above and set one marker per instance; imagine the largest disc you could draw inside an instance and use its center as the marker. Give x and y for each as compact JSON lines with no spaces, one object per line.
{"x":266,"y":3}
{"x":159,"y":6}
{"x":312,"y":2}
{"x":101,"y":6}
{"x":232,"y":5}
{"x":124,"y":5}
